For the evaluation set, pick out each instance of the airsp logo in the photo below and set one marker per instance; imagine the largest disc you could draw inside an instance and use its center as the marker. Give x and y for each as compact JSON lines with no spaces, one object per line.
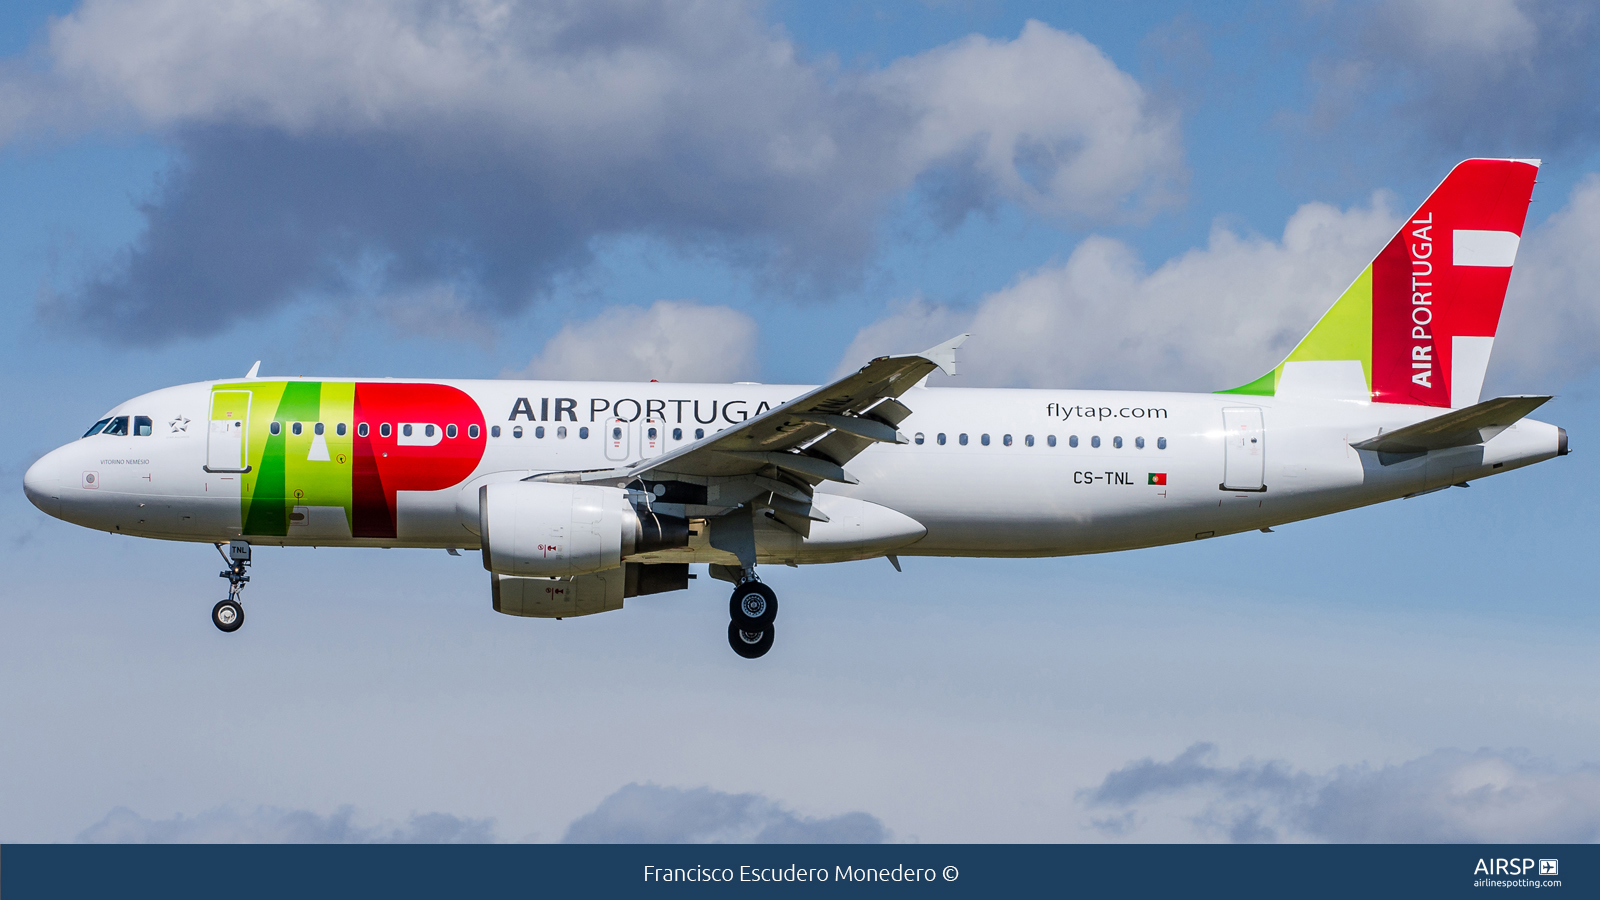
{"x":1513,"y":867}
{"x":1549,"y":867}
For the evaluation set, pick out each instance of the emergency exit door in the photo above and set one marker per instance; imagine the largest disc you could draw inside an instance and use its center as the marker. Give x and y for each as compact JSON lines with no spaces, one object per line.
{"x":228,"y":437}
{"x":1244,"y":462}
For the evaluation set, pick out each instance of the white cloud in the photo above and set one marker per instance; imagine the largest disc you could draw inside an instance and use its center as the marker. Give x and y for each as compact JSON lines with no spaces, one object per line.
{"x":670,"y":341}
{"x":1212,"y":318}
{"x":271,"y":825}
{"x":651,"y":814}
{"x":1491,"y":30}
{"x":486,"y":144}
{"x":1475,"y":77}
{"x":636,"y":813}
{"x":1047,"y":118}
{"x":1448,"y":796}
{"x":1223,"y":314}
{"x":1550,"y":327}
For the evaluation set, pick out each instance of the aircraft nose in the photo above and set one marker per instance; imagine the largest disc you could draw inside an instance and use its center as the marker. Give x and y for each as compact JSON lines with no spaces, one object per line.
{"x":42,"y":483}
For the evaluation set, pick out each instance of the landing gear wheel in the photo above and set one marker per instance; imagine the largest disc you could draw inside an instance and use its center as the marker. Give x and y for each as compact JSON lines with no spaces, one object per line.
{"x":753,"y":606}
{"x":749,"y":644}
{"x":228,"y":615}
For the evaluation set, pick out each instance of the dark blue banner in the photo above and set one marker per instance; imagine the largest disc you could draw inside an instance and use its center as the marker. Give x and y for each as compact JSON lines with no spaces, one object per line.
{"x":924,"y":870}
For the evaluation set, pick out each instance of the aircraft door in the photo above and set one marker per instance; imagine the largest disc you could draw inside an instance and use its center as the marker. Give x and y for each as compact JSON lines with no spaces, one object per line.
{"x":616,"y":439}
{"x":652,"y":438}
{"x":1244,"y":459}
{"x":227,"y":438}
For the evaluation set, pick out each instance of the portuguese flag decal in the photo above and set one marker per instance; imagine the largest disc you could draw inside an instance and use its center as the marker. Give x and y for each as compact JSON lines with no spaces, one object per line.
{"x":1158,"y":478}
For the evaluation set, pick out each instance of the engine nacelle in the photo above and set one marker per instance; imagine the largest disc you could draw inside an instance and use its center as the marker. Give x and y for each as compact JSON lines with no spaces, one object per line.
{"x":542,"y":529}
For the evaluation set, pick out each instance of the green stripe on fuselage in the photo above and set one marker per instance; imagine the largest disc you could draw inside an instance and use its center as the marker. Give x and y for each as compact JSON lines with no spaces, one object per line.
{"x":288,"y":469}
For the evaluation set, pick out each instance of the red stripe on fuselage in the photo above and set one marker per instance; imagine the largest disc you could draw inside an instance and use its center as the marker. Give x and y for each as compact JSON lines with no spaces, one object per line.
{"x":386,"y":465}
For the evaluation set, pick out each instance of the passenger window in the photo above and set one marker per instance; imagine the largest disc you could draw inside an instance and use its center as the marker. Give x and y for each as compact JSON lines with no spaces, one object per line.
{"x":583,"y":434}
{"x":1161,"y":443}
{"x":317,"y":428}
{"x":962,"y":439}
{"x":940,"y":439}
{"x":427,"y":431}
{"x":118,"y":426}
{"x":405,"y":430}
{"x":516,"y":432}
{"x":141,"y":426}
{"x":95,"y":428}
{"x":295,"y":428}
{"x":339,"y":429}
{"x":494,"y":431}
{"x":561,"y":432}
{"x":275,"y":428}
{"x":1094,"y":441}
{"x":384,"y":430}
{"x":1028,"y":441}
{"x":677,"y":434}
{"x":362,"y":430}
{"x":1051,"y":440}
{"x":918,"y":438}
{"x":1138,"y":443}
{"x":1006,"y":440}
{"x":539,"y":432}
{"x":473,"y":432}
{"x":1072,"y":441}
{"x":699,"y":434}
{"x":450,"y":431}
{"x":984,"y":440}
{"x":1117,"y":442}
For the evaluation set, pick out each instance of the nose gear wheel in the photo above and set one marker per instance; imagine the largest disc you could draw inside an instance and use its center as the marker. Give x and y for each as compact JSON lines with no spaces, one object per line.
{"x":227,"y":615}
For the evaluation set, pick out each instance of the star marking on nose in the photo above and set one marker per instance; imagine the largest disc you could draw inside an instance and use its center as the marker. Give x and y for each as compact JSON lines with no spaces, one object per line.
{"x":180,"y":425}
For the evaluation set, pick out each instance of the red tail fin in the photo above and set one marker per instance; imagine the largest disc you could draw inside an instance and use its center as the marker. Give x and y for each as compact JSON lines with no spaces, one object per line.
{"x":1438,"y":286}
{"x":1417,"y":324}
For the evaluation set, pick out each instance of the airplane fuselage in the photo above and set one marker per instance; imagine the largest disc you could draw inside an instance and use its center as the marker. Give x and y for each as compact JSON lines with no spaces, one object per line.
{"x":987,"y":472}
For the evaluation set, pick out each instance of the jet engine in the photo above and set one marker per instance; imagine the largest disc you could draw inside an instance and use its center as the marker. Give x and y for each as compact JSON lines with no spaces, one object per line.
{"x":542,"y":529}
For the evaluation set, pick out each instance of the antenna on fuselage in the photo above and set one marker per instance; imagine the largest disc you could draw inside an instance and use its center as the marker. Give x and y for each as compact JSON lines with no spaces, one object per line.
{"x":253,"y":370}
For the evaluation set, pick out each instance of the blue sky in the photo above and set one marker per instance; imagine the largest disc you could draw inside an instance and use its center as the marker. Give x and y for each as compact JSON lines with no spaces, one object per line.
{"x":812,"y":175}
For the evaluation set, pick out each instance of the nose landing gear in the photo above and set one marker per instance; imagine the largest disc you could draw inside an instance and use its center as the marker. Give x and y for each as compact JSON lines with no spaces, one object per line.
{"x":228,"y":614}
{"x":752,"y":608}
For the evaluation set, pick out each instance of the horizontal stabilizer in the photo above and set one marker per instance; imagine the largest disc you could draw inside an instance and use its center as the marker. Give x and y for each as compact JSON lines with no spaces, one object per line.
{"x":1461,"y":428}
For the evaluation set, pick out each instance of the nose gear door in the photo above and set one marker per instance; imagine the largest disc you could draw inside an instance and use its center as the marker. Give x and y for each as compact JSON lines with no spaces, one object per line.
{"x":228,"y":437}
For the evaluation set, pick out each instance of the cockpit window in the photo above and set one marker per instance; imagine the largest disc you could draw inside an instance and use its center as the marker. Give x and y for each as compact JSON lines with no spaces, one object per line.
{"x":95,"y":428}
{"x":119,"y":425}
{"x":141,"y":426}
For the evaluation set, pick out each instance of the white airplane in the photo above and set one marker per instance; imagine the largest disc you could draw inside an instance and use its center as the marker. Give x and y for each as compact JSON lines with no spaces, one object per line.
{"x":583,"y":494}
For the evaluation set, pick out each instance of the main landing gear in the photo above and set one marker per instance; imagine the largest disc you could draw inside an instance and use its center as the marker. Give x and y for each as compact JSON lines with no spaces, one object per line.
{"x":228,"y":614}
{"x":751,"y":609}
